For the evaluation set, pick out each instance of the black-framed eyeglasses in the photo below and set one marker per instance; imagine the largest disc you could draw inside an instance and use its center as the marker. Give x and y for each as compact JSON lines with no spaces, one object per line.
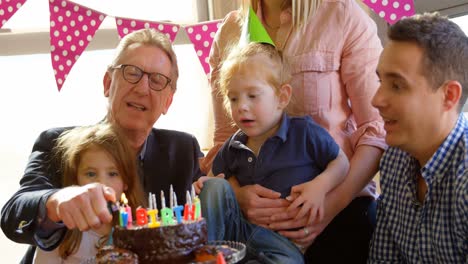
{"x":132,"y":74}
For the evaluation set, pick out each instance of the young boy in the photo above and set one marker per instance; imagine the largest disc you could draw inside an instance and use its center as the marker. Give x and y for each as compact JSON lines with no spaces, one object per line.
{"x":292,"y":156}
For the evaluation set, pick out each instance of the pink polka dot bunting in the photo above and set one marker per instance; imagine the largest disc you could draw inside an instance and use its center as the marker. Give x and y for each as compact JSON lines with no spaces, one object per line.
{"x":8,"y":8}
{"x":72,"y":27}
{"x":125,"y":26}
{"x":202,"y":36}
{"x":391,"y":10}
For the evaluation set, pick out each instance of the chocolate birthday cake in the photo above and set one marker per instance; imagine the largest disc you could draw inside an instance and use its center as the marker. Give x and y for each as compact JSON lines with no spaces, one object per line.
{"x":164,"y":244}
{"x":113,"y":255}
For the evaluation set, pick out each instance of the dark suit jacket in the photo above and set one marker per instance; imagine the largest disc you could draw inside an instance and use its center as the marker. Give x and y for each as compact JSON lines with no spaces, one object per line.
{"x":171,"y":157}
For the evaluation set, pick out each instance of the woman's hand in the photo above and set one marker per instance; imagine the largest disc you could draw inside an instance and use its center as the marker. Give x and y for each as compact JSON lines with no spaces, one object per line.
{"x":307,"y":235}
{"x":258,"y":203}
{"x":298,"y":230}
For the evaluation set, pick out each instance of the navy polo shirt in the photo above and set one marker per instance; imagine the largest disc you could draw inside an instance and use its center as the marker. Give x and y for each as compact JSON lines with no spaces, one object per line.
{"x":298,"y":152}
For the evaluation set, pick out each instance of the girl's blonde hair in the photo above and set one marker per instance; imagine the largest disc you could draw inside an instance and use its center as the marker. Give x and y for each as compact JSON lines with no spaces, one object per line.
{"x":280,"y":72}
{"x":69,"y":150}
{"x":302,"y":10}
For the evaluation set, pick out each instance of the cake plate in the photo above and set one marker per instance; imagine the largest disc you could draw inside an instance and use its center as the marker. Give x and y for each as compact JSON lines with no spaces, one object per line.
{"x":238,"y":254}
{"x":238,"y":248}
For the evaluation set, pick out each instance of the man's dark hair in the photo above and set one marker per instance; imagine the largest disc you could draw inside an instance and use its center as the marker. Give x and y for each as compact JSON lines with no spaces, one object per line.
{"x":445,"y":48}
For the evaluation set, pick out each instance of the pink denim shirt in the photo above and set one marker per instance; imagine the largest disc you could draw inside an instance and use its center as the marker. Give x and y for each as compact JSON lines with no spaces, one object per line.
{"x":333,"y":63}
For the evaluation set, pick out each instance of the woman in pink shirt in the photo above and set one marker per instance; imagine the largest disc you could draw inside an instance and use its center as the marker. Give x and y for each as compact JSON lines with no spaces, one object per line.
{"x":333,"y":49}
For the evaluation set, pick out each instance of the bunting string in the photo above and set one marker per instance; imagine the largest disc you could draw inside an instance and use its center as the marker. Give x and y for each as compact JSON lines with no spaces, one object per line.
{"x":202,"y":35}
{"x":391,"y":10}
{"x":126,"y":26}
{"x":8,"y":9}
{"x":73,"y":26}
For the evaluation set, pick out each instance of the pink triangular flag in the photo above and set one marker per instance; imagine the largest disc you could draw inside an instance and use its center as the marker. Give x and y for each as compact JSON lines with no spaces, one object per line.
{"x":202,"y":36}
{"x":391,"y":10}
{"x":128,"y":25}
{"x":8,"y":8}
{"x":72,"y":27}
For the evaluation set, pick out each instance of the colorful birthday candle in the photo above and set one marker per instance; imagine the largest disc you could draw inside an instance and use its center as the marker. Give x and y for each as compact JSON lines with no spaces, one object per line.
{"x":196,"y":203}
{"x":130,"y":216}
{"x":150,"y":201}
{"x":166,"y":213}
{"x":178,"y":210}
{"x":153,"y":212}
{"x":124,"y":215}
{"x":121,"y":223}
{"x":155,"y":205}
{"x":193,"y":193}
{"x":141,"y":216}
{"x":153,"y":220}
{"x":188,"y":211}
{"x":128,"y":210}
{"x":171,"y":197}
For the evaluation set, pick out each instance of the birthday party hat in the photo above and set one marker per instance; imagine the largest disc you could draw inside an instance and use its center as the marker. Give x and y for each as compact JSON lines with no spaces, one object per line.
{"x":253,"y":31}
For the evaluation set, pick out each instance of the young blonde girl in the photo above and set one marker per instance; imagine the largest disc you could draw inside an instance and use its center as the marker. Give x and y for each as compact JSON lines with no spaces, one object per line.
{"x":88,"y":155}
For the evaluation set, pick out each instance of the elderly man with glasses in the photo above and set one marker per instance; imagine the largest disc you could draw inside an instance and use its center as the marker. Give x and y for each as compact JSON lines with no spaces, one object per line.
{"x":140,"y":84}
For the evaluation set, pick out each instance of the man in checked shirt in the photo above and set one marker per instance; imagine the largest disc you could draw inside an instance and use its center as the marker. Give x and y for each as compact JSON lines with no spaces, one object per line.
{"x":422,"y":214}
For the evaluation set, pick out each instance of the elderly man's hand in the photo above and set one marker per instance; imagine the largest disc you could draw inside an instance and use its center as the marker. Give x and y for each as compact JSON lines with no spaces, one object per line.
{"x":81,"y":207}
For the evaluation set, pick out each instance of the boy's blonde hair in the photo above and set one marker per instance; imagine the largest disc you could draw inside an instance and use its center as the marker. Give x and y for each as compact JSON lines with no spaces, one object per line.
{"x":302,"y":10}
{"x":238,"y":56}
{"x":69,"y":150}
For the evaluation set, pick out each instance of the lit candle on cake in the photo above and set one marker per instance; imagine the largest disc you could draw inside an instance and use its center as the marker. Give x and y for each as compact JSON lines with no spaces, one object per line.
{"x":166,"y":213}
{"x":128,"y":209}
{"x":177,"y":210}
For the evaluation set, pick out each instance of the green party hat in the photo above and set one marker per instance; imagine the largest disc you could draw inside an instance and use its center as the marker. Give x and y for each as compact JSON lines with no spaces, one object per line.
{"x":253,"y":30}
